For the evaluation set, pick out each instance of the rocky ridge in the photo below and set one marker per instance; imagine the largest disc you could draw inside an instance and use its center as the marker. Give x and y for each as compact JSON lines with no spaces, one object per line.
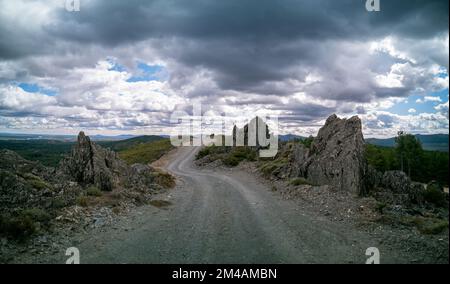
{"x":88,"y":188}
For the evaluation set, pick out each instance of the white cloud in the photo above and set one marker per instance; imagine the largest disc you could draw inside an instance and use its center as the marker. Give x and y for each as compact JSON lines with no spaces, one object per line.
{"x":442,"y":109}
{"x":429,"y":99}
{"x":386,"y":124}
{"x":301,"y":78}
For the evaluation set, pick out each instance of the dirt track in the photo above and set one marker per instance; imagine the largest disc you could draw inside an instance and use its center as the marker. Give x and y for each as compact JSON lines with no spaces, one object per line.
{"x":224,"y":217}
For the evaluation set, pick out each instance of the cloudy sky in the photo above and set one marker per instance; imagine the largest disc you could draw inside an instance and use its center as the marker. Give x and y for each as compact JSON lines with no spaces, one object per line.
{"x":124,"y":66}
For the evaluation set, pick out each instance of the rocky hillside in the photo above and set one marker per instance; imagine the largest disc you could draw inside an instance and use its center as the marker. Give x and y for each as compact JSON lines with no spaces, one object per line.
{"x":32,"y":195}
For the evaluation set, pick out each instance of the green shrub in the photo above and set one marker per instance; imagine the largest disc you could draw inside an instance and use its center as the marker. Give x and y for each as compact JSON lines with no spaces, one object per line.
{"x":214,"y":152}
{"x":231,"y":161}
{"x":20,"y":227}
{"x":37,"y":182}
{"x":82,"y":201}
{"x":59,"y":202}
{"x":268,"y":167}
{"x":299,"y":181}
{"x":380,"y":206}
{"x":435,"y":196}
{"x":429,"y":226}
{"x":37,"y":215}
{"x":160,"y":203}
{"x":434,"y":228}
{"x":307,"y":142}
{"x":244,"y":153}
{"x":24,"y":224}
{"x":203,"y":152}
{"x":93,"y":191}
{"x":164,"y":179}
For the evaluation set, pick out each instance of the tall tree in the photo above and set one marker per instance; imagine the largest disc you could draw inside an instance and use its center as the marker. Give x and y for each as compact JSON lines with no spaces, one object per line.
{"x":409,"y":152}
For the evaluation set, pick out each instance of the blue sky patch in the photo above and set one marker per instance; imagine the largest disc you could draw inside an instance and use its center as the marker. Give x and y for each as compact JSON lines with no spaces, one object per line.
{"x":421,"y":107}
{"x":147,"y":73}
{"x":35,"y":88}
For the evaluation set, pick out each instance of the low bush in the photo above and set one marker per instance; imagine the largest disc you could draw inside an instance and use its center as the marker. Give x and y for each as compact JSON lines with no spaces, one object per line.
{"x":429,"y":226}
{"x":269,"y":167}
{"x":380,"y":206}
{"x":435,"y":196}
{"x":164,"y":179}
{"x":82,"y":201}
{"x":203,"y":152}
{"x":299,"y":181}
{"x":24,"y":224}
{"x":36,"y":182}
{"x":36,"y":214}
{"x":93,"y":191}
{"x":231,"y":161}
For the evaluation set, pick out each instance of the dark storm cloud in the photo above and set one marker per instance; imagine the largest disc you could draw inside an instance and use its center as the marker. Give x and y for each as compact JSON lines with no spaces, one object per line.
{"x":248,"y":43}
{"x":115,"y":22}
{"x":237,"y":52}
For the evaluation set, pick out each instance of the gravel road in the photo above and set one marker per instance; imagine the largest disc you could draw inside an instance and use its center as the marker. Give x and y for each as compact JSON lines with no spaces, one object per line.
{"x":226,"y":217}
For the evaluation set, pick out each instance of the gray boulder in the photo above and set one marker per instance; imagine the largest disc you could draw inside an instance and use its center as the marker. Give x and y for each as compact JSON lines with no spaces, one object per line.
{"x":402,"y":189}
{"x":336,"y":157}
{"x":396,"y":181}
{"x":297,"y":160}
{"x":373,"y":178}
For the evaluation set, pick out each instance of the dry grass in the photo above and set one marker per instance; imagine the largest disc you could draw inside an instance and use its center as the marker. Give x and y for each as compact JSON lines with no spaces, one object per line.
{"x":164,"y":179}
{"x":160,"y":203}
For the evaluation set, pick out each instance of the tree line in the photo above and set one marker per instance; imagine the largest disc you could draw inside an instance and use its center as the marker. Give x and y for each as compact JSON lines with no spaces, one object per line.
{"x":408,"y":156}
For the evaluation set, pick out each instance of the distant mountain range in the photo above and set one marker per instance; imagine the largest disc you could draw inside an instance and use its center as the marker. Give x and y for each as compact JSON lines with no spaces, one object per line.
{"x":432,"y":142}
{"x":63,"y":138}
{"x":290,"y":137}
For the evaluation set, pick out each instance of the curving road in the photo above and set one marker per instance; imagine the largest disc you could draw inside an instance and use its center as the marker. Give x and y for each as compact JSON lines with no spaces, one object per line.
{"x":225,"y":217}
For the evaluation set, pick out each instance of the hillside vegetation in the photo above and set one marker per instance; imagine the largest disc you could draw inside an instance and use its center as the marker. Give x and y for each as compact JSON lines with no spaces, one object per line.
{"x":122,"y":145}
{"x":147,"y":152}
{"x":431,"y":165}
{"x":50,"y":152}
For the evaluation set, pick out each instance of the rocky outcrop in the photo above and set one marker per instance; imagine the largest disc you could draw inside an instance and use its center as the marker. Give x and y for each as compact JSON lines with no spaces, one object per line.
{"x":28,"y":184}
{"x":297,"y":160}
{"x":336,"y":157}
{"x":89,"y":163}
{"x":395,"y":187}
{"x":396,"y":181}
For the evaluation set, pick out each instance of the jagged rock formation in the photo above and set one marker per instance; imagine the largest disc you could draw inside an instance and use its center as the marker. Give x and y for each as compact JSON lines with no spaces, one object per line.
{"x":336,"y":156}
{"x":28,"y":184}
{"x":89,"y":163}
